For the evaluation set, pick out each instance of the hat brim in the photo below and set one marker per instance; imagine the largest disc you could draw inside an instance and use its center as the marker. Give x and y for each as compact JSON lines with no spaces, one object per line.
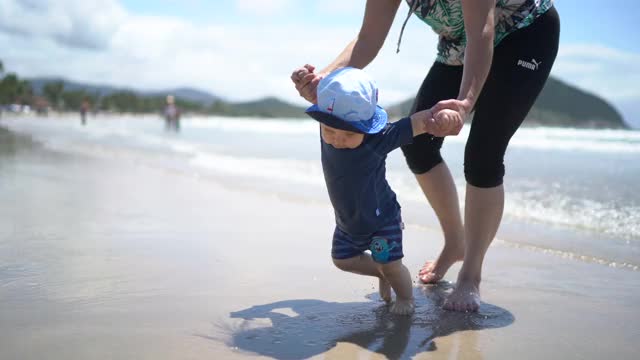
{"x":371,"y":126}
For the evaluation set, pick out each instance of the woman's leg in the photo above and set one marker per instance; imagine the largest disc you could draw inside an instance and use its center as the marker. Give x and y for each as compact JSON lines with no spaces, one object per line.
{"x":509,"y":93}
{"x":482,"y":216}
{"x":440,"y":190}
{"x":435,"y":180}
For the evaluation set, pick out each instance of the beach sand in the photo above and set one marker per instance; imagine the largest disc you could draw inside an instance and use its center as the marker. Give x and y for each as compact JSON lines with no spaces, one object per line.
{"x":110,"y":259}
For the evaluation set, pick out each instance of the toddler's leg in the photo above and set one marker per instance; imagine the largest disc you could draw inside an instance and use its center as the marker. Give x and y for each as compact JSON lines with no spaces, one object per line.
{"x":363,"y":264}
{"x":400,"y":280}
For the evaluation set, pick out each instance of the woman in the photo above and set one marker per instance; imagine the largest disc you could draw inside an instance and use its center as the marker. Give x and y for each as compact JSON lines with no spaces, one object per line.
{"x":494,"y":57}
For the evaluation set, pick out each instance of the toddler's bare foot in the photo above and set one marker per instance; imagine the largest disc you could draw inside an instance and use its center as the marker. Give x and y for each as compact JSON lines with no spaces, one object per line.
{"x":465,"y":297}
{"x":434,"y":271}
{"x":403,"y":306}
{"x":385,"y":290}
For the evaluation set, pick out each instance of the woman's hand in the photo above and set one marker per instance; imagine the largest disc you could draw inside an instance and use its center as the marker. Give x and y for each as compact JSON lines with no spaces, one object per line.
{"x":440,"y":124}
{"x":306,"y":82}
{"x":451,"y":123}
{"x":448,"y":122}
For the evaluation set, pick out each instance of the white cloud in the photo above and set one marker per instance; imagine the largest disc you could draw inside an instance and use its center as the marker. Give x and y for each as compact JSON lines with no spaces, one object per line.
{"x":262,"y":7}
{"x":243,"y":62}
{"x":336,"y":6}
{"x":238,"y":62}
{"x":598,"y":51}
{"x":76,"y":23}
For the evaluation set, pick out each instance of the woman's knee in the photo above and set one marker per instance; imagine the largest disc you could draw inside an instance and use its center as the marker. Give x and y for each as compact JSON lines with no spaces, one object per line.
{"x":484,"y":162}
{"x":484,"y":175}
{"x":423,"y":154}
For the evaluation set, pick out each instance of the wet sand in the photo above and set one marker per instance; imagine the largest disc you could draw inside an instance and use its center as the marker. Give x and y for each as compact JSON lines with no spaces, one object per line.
{"x":110,"y":259}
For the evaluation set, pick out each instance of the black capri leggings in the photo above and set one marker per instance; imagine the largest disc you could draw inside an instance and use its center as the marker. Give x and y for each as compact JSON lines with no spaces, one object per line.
{"x":521,"y":65}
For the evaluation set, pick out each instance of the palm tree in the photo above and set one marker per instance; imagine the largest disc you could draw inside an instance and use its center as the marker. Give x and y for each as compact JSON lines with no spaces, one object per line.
{"x":24,"y":90}
{"x":8,"y":87}
{"x":53,"y":92}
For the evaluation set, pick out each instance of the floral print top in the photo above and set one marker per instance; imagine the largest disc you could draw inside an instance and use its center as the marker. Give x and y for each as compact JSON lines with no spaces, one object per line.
{"x":445,"y":18}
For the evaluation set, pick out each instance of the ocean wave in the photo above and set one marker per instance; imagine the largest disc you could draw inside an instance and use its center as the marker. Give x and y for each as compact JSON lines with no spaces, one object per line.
{"x":296,"y":171}
{"x":548,"y":207}
{"x":253,"y":125}
{"x":584,"y":214}
{"x":540,"y":138}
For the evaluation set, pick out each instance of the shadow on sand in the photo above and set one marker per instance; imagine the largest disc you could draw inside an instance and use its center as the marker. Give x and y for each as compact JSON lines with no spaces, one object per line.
{"x":295,"y":329}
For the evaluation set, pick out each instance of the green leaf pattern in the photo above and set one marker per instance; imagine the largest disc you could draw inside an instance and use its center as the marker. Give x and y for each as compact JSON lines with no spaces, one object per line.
{"x":445,"y":18}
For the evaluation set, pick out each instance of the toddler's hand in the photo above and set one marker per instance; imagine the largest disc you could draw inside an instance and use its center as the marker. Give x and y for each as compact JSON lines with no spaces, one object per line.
{"x":445,"y":122}
{"x":423,"y":122}
{"x":449,"y":122}
{"x":306,"y":82}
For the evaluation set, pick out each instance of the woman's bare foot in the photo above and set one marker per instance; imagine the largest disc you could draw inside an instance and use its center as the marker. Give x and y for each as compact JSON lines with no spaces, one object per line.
{"x":465,"y":297}
{"x":434,"y":271}
{"x":385,"y":290}
{"x":403,"y":306}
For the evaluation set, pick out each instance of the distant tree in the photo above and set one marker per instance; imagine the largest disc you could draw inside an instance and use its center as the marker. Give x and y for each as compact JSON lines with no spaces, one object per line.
{"x":221,"y":108}
{"x":9,"y":88}
{"x":24,"y":91}
{"x":1,"y":67}
{"x":53,"y":92}
{"x":95,"y":100}
{"x":122,"y":101}
{"x":14,"y":90}
{"x":73,"y":99}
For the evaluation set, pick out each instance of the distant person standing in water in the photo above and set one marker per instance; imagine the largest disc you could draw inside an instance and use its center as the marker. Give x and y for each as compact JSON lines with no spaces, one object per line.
{"x":171,"y":115}
{"x":84,"y":109}
{"x":494,"y":57}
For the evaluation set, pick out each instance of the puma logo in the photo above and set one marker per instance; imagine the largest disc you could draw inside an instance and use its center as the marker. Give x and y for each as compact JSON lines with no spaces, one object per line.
{"x":531,"y":65}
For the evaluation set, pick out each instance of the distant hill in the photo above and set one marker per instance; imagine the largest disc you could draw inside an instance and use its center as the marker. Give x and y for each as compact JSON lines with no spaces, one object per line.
{"x":267,"y":107}
{"x":559,"y":104}
{"x":563,"y":104}
{"x":189,"y":94}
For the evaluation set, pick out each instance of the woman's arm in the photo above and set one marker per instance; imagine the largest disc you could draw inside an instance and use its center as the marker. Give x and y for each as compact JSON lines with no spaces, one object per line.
{"x":378,"y":17}
{"x":480,"y":28}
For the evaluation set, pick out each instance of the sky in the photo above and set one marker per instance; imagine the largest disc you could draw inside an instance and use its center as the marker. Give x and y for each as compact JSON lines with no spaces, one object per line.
{"x":246,"y":49}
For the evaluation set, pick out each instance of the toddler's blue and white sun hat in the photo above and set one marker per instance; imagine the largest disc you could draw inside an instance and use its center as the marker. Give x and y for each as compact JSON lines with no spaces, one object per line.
{"x":348,"y":100}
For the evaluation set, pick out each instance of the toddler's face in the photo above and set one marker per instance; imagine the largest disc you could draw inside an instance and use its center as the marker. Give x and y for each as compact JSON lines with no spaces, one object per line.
{"x":340,"y":139}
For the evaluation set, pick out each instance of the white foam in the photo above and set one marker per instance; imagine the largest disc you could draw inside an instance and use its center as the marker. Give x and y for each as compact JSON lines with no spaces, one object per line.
{"x":558,"y":209}
{"x":297,"y":171}
{"x":253,"y":125}
{"x":548,"y":207}
{"x":568,"y":139}
{"x":540,"y":138}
